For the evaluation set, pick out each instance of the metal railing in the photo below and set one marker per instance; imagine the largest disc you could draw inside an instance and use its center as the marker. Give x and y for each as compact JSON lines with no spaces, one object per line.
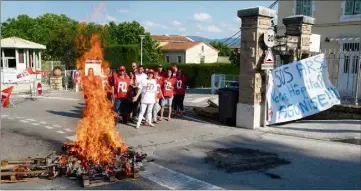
{"x":223,"y":80}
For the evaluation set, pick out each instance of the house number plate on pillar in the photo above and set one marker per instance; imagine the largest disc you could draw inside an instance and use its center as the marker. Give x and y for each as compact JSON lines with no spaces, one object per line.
{"x":269,"y":38}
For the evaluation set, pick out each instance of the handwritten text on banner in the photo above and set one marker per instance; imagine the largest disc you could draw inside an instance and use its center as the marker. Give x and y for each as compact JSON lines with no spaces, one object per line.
{"x":300,"y":89}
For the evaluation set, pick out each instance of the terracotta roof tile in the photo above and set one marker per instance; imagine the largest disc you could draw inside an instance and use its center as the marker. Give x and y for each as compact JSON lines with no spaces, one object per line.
{"x":179,"y":45}
{"x":163,"y":38}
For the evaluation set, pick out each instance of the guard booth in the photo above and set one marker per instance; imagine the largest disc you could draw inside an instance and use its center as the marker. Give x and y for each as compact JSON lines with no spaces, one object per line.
{"x":16,"y":56}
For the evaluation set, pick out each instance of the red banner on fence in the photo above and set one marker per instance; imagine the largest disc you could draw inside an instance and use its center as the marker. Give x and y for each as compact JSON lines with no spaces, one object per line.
{"x":25,"y":73}
{"x":5,"y":96}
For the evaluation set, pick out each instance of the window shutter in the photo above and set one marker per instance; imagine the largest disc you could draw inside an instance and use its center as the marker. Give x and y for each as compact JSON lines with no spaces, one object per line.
{"x":349,"y":7}
{"x":357,"y":7}
{"x":299,"y":7}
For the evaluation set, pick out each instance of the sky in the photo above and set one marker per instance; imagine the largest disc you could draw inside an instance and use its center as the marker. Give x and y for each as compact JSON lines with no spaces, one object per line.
{"x":209,"y":19}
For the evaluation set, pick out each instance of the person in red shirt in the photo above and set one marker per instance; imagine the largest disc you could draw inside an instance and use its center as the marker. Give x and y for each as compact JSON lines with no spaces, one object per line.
{"x":160,"y":71}
{"x":179,"y":91}
{"x":167,"y":89}
{"x":174,"y":70}
{"x":133,"y":89}
{"x":121,"y":83}
{"x":156,"y":106}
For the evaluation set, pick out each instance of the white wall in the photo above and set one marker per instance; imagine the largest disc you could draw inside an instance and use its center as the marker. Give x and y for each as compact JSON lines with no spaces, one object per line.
{"x":173,"y":56}
{"x":193,"y":55}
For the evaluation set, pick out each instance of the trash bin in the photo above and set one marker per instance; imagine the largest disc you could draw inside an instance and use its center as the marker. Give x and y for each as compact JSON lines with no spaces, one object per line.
{"x":227,"y":109}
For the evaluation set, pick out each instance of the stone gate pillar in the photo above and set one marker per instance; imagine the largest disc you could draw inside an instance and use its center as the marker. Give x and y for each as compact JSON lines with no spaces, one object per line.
{"x":298,"y":32}
{"x":255,"y":21}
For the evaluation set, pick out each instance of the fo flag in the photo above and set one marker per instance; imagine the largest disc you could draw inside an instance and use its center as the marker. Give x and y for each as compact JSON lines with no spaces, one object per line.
{"x":5,"y":96}
{"x":25,"y":73}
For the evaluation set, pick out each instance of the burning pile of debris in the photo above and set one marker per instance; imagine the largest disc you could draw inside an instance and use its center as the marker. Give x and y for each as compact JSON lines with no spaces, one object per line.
{"x":123,"y":166}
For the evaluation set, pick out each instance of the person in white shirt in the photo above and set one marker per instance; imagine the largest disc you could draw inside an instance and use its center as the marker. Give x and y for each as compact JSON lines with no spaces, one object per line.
{"x":148,"y":92}
{"x":141,"y":75}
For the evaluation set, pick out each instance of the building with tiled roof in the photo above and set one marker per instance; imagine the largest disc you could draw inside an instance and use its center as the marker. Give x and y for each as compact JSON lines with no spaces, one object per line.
{"x":181,"y":49}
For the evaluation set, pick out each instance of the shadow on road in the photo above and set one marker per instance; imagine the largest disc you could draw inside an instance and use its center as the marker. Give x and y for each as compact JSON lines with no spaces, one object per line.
{"x":310,"y":168}
{"x":333,"y":130}
{"x":75,"y":113}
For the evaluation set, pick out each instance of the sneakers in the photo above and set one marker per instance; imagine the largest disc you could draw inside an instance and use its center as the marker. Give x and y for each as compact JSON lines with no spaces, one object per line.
{"x":151,"y":124}
{"x":137,"y":127}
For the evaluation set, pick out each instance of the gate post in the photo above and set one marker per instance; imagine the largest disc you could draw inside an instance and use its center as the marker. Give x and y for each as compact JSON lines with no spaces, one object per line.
{"x":255,"y":21}
{"x":298,"y":32}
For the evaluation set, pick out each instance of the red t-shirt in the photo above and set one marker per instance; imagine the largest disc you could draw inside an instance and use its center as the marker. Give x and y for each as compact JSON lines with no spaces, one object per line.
{"x":121,"y":87}
{"x":159,"y":81}
{"x":180,"y":86}
{"x":167,"y":90}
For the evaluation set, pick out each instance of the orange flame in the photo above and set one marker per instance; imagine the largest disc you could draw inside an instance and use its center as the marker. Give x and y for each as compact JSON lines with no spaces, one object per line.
{"x":97,"y":138}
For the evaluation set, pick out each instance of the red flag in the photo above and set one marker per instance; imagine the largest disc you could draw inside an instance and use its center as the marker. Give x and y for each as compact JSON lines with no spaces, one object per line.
{"x":25,"y":73}
{"x":5,"y":96}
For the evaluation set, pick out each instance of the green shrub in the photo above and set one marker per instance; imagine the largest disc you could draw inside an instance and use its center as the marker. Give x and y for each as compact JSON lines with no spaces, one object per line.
{"x":118,"y":55}
{"x":199,"y":75}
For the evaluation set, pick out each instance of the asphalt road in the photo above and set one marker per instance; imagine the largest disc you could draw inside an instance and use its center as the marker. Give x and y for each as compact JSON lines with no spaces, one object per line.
{"x":35,"y":128}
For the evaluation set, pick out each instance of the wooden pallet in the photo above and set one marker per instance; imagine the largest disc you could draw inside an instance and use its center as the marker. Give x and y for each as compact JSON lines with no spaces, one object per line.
{"x":9,"y":174}
{"x":87,"y":183}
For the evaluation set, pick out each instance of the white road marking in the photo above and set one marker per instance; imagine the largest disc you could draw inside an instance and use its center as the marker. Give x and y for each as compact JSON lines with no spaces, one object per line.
{"x":198,"y":100}
{"x":24,"y":121}
{"x":194,"y":119}
{"x":174,"y":180}
{"x":10,"y":118}
{"x":31,"y":119}
{"x":36,"y":124}
{"x":42,"y":122}
{"x":5,"y":115}
{"x":60,"y":132}
{"x":19,"y":117}
{"x":57,"y":98}
{"x":49,"y":127}
{"x":69,"y":130}
{"x":71,"y":138}
{"x":57,"y":126}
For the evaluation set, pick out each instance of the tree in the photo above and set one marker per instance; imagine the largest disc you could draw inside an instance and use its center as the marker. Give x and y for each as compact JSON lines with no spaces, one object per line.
{"x":57,"y":32}
{"x":127,"y":33}
{"x":235,"y":58}
{"x":224,"y":49}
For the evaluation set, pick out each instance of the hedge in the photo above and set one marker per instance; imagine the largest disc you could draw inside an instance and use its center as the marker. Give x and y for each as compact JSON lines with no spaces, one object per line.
{"x":118,"y":55}
{"x":199,"y":75}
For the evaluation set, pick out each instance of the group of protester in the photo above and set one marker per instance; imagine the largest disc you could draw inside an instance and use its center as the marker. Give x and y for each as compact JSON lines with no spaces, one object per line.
{"x":147,"y":92}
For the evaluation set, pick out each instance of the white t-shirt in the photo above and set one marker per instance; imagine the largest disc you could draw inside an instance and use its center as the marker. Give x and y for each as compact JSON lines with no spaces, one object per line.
{"x":141,"y":77}
{"x":149,"y":90}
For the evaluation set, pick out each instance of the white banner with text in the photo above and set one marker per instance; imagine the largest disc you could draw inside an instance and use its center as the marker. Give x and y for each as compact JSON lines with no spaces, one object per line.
{"x":300,"y":89}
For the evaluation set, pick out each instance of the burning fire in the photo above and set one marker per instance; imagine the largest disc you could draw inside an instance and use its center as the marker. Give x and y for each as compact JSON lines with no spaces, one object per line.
{"x":98,"y":141}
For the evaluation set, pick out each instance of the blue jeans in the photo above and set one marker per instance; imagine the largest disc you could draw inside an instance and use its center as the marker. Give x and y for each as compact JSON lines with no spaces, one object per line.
{"x":121,"y":106}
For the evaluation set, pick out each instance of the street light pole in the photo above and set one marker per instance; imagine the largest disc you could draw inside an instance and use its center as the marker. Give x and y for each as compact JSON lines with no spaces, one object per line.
{"x":141,"y":48}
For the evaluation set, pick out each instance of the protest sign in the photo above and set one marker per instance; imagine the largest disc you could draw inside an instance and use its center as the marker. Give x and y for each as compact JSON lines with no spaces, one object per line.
{"x":300,"y":89}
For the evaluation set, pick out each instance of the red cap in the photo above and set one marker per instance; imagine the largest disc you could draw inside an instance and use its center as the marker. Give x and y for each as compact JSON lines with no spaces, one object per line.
{"x":121,"y":68}
{"x":150,"y":71}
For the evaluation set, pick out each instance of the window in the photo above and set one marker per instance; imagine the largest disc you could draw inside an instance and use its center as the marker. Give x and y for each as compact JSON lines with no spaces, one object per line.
{"x":179,"y":59}
{"x":202,"y":48}
{"x":304,"y":7}
{"x":167,"y":59}
{"x":9,"y":53}
{"x":353,"y":47}
{"x":351,"y":60}
{"x":346,"y":64}
{"x":202,"y":59}
{"x":21,"y":56}
{"x":355,"y":64}
{"x":352,"y":7}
